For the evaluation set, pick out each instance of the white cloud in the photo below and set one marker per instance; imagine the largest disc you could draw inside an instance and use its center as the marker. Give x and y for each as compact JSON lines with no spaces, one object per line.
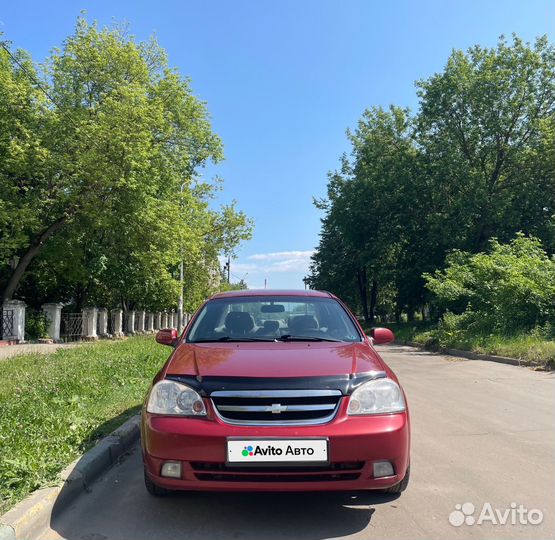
{"x":288,"y":265}
{"x":264,"y":264}
{"x":292,"y":255}
{"x":238,"y":267}
{"x":282,"y":261}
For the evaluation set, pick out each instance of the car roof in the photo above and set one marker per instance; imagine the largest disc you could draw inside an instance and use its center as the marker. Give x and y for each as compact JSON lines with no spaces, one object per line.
{"x":274,"y":292}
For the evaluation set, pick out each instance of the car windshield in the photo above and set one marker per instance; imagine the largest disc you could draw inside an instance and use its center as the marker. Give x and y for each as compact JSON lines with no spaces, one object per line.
{"x":273,"y":318}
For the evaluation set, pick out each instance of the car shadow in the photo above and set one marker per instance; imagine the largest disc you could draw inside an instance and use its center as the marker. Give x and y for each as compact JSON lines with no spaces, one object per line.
{"x":117,"y":506}
{"x":273,"y":516}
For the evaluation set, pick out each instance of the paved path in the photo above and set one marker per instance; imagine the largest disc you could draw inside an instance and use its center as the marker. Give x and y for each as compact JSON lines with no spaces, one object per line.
{"x":482,"y":433}
{"x":8,"y":351}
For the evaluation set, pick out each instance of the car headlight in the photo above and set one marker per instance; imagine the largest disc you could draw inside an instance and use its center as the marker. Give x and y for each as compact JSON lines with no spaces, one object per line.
{"x":377,"y":397}
{"x":170,"y":397}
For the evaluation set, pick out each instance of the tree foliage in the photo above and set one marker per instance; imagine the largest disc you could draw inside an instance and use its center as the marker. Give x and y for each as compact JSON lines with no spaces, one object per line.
{"x":477,"y":161}
{"x":362,"y":209}
{"x":509,"y":288}
{"x":99,"y":184}
{"x":481,"y":124}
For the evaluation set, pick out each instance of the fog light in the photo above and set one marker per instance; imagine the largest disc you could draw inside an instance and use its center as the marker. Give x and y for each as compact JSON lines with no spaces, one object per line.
{"x":171,"y":469}
{"x":383,"y":468}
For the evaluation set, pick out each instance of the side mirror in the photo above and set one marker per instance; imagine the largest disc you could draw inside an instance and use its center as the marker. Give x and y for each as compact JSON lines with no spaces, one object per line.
{"x":167,"y":336}
{"x":381,"y":336}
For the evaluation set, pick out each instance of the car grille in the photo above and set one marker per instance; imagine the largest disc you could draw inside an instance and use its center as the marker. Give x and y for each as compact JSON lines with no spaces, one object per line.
{"x":220,"y":472}
{"x":275,"y":407}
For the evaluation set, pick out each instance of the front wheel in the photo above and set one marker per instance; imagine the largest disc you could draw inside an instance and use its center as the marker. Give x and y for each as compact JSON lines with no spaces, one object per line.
{"x":153,"y":489}
{"x":399,"y":486}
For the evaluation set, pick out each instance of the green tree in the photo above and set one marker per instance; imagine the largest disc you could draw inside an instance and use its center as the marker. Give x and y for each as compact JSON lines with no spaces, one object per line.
{"x":483,"y":124}
{"x":477,"y":161}
{"x":363,"y":244}
{"x":103,"y":173}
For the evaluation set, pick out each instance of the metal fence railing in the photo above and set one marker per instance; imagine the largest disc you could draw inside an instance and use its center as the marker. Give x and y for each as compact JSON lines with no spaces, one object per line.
{"x":7,"y":330}
{"x":71,"y":326}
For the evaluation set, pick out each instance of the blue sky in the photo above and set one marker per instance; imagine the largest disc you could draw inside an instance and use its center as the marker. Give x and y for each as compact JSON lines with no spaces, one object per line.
{"x":283,"y":80}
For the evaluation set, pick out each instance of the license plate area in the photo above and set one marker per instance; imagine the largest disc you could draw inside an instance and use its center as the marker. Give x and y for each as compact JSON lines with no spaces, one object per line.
{"x":277,"y":451}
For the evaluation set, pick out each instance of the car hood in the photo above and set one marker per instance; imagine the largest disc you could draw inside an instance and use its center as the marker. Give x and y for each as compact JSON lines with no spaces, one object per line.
{"x":293,"y":359}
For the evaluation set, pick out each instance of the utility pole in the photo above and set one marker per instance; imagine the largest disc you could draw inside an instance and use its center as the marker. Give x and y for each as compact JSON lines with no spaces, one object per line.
{"x":180,"y":324}
{"x":180,"y":307}
{"x":228,"y":269}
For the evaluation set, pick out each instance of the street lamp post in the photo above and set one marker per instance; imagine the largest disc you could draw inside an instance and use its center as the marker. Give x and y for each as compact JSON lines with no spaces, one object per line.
{"x":180,"y":324}
{"x":180,"y":307}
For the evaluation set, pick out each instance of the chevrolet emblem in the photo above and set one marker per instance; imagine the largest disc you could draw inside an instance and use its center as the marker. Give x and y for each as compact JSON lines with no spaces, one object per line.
{"x":277,"y":408}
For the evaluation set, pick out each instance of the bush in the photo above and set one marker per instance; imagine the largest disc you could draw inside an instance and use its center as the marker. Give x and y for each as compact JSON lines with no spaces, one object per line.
{"x":509,"y":289}
{"x":36,"y":326}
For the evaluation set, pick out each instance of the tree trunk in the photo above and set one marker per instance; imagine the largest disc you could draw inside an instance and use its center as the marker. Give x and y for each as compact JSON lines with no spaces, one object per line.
{"x":398,"y":311}
{"x":80,"y":295}
{"x":32,"y":251}
{"x":373,"y":300}
{"x":363,"y":292}
{"x":482,"y":237}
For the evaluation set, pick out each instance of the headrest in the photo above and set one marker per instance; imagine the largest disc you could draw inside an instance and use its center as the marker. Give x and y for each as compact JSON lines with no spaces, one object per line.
{"x":271,"y":326}
{"x":301,"y":323}
{"x":239,"y":321}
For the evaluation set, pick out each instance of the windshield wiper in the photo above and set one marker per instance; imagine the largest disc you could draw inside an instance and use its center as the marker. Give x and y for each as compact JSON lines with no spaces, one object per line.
{"x":286,"y":337}
{"x":289,"y":337}
{"x":230,"y":339}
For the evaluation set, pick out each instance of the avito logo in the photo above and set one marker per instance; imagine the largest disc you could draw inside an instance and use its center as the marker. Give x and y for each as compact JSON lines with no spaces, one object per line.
{"x":464,"y":514}
{"x":273,"y":451}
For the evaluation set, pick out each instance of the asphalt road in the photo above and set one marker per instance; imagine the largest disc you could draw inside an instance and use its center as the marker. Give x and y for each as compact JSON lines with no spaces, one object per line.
{"x":481,"y":433}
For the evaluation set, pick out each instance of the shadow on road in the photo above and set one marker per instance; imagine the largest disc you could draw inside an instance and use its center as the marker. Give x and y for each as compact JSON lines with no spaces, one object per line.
{"x":270,"y":516}
{"x":118,"y":507}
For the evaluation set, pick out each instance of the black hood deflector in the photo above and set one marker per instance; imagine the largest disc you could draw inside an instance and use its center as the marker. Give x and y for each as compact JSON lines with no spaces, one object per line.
{"x":345,"y":383}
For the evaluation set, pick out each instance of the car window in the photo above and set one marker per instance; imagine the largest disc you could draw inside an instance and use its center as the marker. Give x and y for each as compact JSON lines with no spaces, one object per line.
{"x":267,"y":318}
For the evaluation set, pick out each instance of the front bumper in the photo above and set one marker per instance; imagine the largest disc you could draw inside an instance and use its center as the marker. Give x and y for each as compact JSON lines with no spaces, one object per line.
{"x":355,"y":443}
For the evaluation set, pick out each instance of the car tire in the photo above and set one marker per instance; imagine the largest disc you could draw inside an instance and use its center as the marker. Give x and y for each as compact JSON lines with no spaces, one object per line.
{"x":400,"y":486}
{"x":153,"y":489}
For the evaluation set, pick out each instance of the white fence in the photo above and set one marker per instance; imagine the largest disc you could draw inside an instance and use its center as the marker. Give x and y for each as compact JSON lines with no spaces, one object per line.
{"x":89,"y":324}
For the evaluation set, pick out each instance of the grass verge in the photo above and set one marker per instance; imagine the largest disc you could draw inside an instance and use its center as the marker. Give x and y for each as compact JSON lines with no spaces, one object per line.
{"x":527,"y":347}
{"x":54,"y":407}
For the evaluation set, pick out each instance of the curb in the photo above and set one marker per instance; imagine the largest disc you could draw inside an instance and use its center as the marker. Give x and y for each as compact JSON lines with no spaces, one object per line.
{"x":469,"y":355}
{"x":29,"y":517}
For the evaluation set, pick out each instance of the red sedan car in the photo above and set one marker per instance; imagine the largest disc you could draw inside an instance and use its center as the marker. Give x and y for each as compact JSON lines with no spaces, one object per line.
{"x":275,"y":391}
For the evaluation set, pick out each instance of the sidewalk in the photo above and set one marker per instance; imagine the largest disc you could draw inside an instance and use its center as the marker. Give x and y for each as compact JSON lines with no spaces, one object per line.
{"x":31,"y":348}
